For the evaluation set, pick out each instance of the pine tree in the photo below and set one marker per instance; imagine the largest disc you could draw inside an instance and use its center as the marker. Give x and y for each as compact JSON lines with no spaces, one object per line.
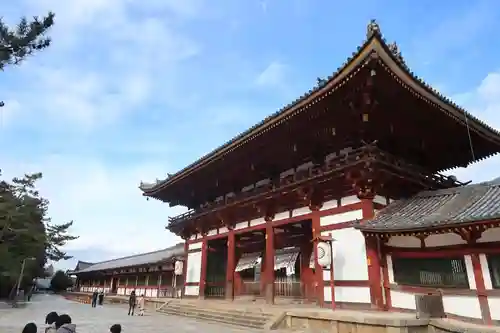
{"x":27,"y":38}
{"x":24,"y":40}
{"x":26,"y":231}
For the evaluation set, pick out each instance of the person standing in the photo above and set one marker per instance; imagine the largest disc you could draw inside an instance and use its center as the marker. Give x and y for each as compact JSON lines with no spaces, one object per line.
{"x":101,"y":297}
{"x":131,"y":303}
{"x":94,"y":299}
{"x":141,"y":304}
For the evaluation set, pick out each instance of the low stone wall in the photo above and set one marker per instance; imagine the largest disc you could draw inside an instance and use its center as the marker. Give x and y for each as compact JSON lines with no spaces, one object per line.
{"x":363,"y":322}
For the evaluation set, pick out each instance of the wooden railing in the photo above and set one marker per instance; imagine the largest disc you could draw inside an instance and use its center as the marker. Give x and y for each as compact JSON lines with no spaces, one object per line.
{"x":215,"y":289}
{"x":287,"y":287}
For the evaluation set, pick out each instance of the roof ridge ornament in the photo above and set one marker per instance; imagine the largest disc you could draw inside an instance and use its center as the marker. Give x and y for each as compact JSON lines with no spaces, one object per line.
{"x":394,"y":48}
{"x":372,"y":29}
{"x":321,"y":82}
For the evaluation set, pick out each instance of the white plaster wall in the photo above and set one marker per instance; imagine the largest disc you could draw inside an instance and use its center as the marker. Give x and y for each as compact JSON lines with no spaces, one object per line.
{"x":390,"y":269}
{"x":327,"y":294}
{"x":488,"y":282}
{"x":192,"y":290}
{"x":341,"y":217}
{"x":402,"y":300}
{"x":195,"y":246}
{"x":352,"y":294}
{"x":212,"y":232}
{"x":258,"y":221}
{"x":404,"y":241}
{"x":470,"y":272}
{"x":352,"y":199}
{"x":349,"y":255}
{"x":281,"y":216}
{"x":241,"y":225}
{"x":380,"y":200}
{"x":301,"y":211}
{"x":330,"y":204}
{"x":490,"y":235}
{"x":154,"y":292}
{"x":494,"y":303}
{"x":193,"y":272}
{"x":443,"y":240}
{"x":223,"y":230}
{"x":465,"y":306}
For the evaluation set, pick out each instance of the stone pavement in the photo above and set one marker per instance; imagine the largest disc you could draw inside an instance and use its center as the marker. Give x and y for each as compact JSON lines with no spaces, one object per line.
{"x":98,"y":320}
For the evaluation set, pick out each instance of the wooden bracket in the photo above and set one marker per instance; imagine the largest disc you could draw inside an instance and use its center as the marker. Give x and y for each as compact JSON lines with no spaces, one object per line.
{"x":469,"y":234}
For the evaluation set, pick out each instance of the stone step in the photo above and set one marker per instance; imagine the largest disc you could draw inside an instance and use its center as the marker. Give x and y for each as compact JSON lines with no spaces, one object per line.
{"x":234,"y":313}
{"x":220,"y":318}
{"x":245,"y":313}
{"x":233,"y":316}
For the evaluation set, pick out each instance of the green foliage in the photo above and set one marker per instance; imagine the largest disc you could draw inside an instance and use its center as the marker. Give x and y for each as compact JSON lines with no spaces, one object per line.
{"x":60,"y":281}
{"x":26,"y":231}
{"x":24,"y":40}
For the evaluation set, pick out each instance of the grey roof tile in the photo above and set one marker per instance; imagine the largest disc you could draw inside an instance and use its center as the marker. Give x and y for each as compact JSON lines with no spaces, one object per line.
{"x":136,"y":260}
{"x":434,"y":209}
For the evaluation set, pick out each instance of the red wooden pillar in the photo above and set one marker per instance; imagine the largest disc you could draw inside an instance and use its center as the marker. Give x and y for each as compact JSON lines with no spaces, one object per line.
{"x":269,"y":262}
{"x":231,"y":264}
{"x":481,"y":289}
{"x":318,"y":270}
{"x":373,"y":259}
{"x":203,"y":269}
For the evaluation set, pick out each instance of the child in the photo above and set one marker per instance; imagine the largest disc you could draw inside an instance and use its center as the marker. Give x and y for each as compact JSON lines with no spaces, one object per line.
{"x":64,"y":325}
{"x":50,"y":320}
{"x":141,"y":303}
{"x":116,"y":328}
{"x":30,"y":328}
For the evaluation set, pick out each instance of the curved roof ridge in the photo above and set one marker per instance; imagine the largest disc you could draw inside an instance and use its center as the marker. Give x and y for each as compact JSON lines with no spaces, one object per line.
{"x":365,"y":50}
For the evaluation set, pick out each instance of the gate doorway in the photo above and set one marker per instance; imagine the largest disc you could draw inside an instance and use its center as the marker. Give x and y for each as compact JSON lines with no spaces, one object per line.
{"x":216,"y":268}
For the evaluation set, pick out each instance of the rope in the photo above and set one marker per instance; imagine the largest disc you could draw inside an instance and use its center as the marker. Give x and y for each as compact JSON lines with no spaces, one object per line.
{"x":471,"y":146}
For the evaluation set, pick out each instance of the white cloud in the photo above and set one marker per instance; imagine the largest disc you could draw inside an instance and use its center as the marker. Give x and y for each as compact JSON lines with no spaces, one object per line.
{"x":105,"y":61}
{"x":484,"y":103}
{"x":104,"y":201}
{"x":273,"y":75}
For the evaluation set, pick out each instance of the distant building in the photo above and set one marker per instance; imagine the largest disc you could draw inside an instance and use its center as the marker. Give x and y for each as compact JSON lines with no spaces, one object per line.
{"x":150,"y":274}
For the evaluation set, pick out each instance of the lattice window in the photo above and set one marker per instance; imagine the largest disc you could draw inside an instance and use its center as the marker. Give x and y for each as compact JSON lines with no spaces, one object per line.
{"x":431,"y":272}
{"x":494,"y":266}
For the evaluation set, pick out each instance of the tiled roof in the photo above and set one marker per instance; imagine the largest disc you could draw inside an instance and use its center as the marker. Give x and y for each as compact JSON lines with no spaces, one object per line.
{"x":434,"y":209}
{"x":83,"y":264}
{"x":136,"y":260}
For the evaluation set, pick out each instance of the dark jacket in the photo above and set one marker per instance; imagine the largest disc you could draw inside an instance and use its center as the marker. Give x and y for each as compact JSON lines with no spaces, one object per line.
{"x":132,"y":299}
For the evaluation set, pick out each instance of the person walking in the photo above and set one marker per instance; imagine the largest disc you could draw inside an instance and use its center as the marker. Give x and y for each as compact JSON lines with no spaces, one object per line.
{"x":94,"y":298}
{"x":132,"y":303}
{"x":141,"y":304}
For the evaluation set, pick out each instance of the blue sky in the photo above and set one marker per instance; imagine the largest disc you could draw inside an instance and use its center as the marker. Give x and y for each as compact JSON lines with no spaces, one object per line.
{"x":132,"y":90}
